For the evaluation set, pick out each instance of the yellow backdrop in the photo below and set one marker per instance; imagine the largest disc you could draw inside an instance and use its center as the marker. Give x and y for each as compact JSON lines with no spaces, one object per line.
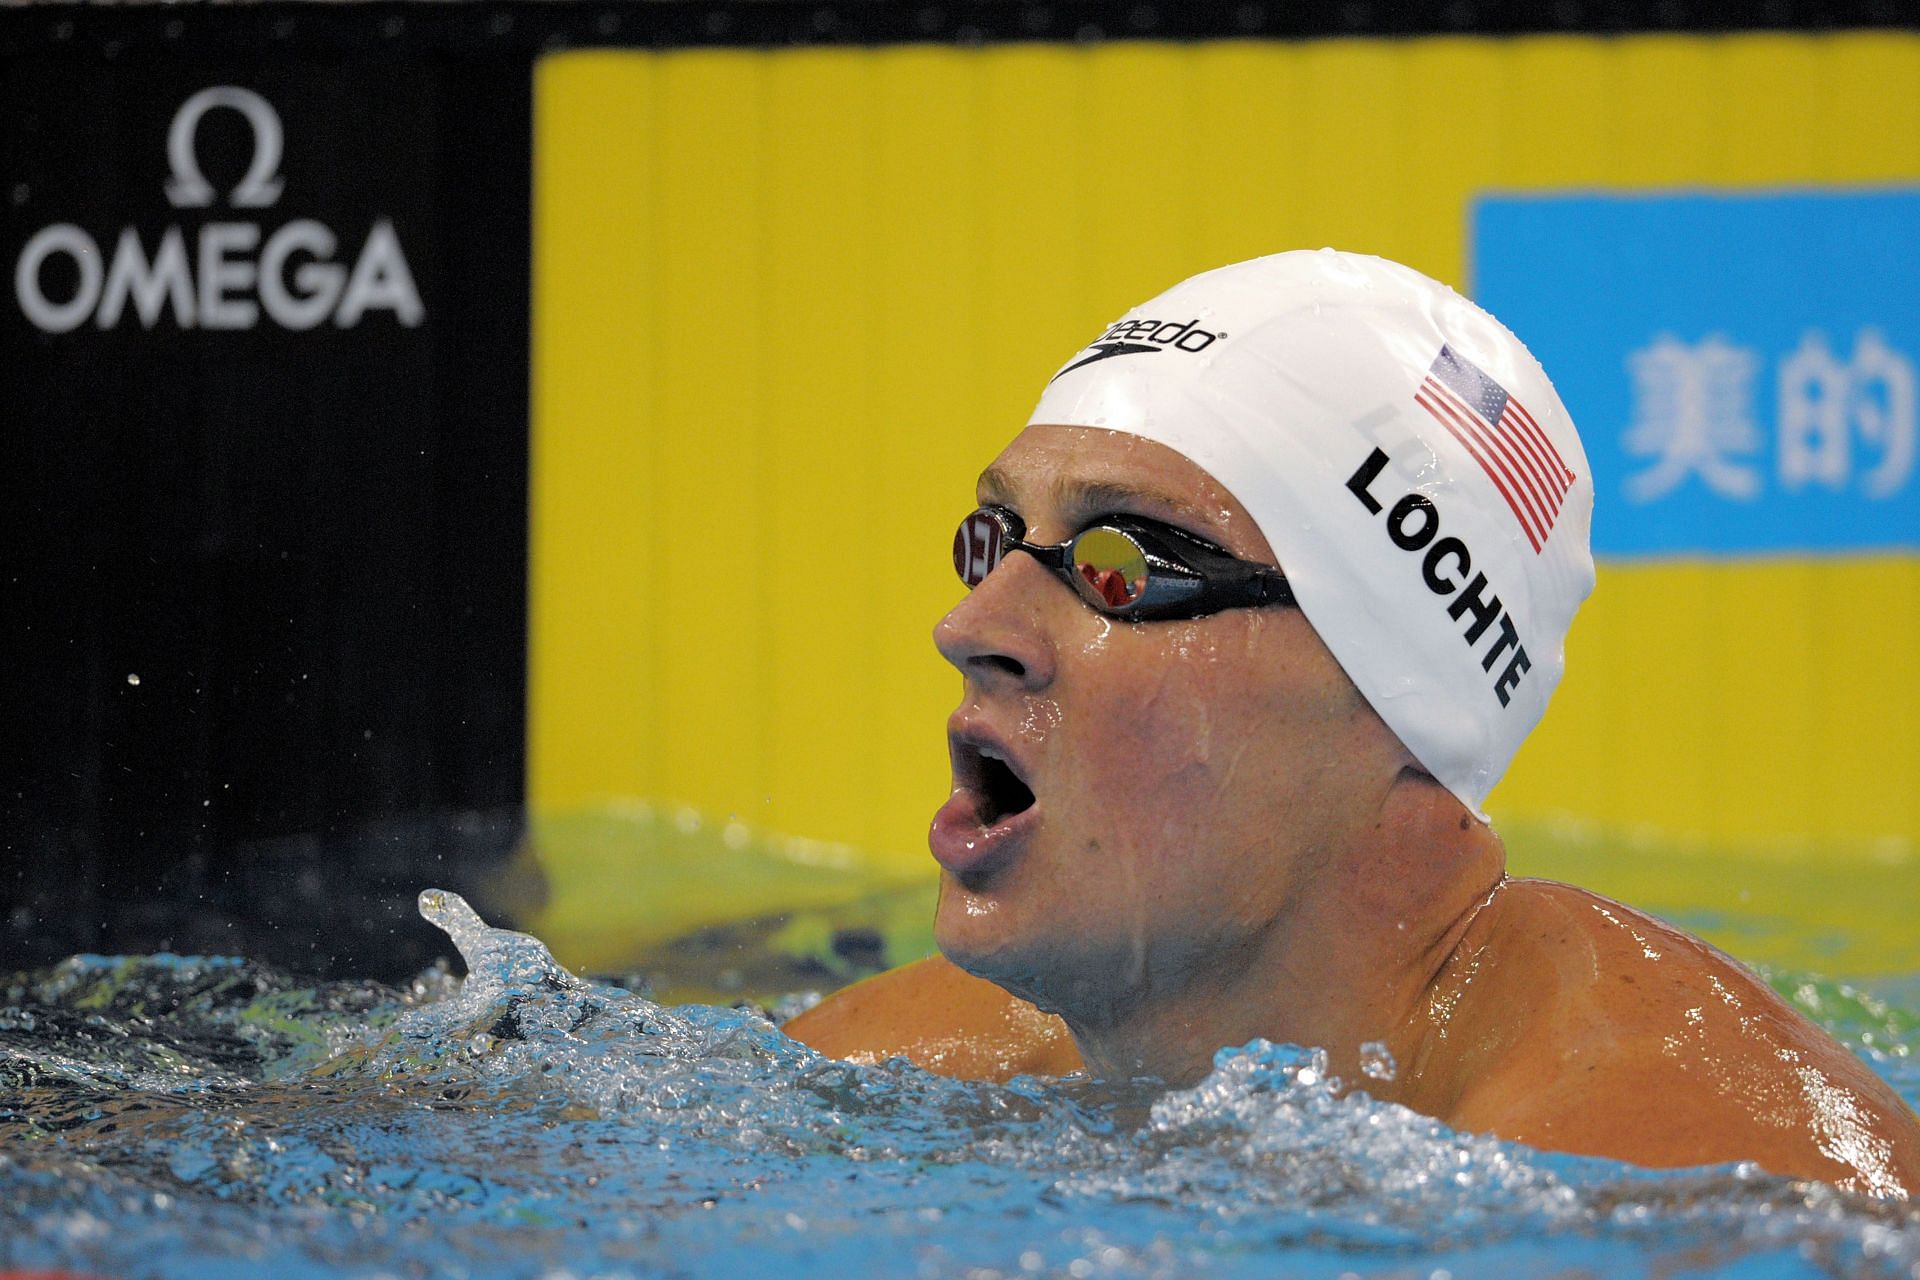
{"x":788,"y":303}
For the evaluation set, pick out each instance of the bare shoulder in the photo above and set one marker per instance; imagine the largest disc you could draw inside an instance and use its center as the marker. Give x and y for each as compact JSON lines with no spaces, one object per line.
{"x":1599,"y":1029}
{"x":940,"y":1018}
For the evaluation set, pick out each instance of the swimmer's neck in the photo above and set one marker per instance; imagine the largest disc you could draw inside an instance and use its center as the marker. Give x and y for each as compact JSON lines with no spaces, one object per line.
{"x":1357,"y":960}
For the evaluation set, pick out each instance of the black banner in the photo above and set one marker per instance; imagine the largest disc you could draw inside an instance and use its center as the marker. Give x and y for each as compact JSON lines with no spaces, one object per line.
{"x":263,"y":365}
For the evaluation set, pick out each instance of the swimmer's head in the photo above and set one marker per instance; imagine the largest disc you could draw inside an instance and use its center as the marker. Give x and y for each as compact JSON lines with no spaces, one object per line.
{"x":1413,"y":470}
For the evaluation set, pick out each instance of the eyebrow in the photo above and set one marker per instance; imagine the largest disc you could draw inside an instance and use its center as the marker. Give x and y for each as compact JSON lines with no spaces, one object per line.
{"x":1082,"y":500}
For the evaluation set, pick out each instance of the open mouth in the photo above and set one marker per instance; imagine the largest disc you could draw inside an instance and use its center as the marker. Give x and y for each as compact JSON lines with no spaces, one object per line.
{"x":990,"y":815}
{"x":1001,"y":791}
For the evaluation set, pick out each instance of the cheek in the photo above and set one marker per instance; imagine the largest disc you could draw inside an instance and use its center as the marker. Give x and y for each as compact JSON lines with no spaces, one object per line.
{"x":1147,"y":717}
{"x":1205,"y":691}
{"x":1208,"y":718}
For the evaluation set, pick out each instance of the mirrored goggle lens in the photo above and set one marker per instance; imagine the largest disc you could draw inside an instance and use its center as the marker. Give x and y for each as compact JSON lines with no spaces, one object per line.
{"x":978,"y":546}
{"x":1112,"y":565}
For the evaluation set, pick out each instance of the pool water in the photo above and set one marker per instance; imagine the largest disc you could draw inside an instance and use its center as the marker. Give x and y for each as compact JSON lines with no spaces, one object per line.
{"x":167,"y":1116}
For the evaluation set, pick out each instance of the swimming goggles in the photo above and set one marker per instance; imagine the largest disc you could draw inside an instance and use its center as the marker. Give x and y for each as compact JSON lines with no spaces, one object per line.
{"x":1125,"y":566}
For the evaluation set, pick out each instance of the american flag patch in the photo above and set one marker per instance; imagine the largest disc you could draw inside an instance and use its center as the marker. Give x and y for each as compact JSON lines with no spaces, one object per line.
{"x":1503,"y":438}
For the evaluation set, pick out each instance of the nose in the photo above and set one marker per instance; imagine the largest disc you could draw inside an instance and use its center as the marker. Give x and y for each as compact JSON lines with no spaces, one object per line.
{"x":997,"y":636}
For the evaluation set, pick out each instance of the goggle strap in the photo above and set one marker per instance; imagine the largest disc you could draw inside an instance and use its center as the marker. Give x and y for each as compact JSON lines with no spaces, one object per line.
{"x":1273,"y":588}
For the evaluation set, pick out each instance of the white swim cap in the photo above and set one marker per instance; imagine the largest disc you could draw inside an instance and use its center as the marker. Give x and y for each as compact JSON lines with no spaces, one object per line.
{"x":1406,"y":457}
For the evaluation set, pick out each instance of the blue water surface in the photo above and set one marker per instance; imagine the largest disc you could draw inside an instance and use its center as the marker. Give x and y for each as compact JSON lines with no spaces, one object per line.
{"x":203,"y":1117}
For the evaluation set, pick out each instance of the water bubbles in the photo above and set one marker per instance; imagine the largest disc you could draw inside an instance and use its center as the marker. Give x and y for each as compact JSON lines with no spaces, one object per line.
{"x":1376,"y":1061}
{"x":581,"y":1129}
{"x":497,"y":959}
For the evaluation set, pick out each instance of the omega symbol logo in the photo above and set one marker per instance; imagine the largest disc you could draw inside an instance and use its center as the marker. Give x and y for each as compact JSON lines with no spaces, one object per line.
{"x":188,"y":188}
{"x":222,"y":273}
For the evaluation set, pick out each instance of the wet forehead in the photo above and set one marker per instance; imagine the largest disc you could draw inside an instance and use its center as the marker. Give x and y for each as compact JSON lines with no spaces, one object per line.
{"x":1072,"y":474}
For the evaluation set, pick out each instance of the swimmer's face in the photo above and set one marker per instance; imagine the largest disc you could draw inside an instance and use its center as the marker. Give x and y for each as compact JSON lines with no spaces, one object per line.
{"x":1182,"y":775}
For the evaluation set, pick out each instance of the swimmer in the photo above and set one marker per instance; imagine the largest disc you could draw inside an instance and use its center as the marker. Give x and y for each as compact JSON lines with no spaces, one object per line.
{"x":1262,"y":603}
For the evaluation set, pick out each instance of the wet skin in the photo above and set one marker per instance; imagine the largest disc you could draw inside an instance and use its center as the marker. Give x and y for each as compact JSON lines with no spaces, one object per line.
{"x":1224,"y":843}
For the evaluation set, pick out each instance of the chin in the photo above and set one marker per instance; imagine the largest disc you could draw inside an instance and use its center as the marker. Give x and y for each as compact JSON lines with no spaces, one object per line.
{"x":1030,"y":967}
{"x":973,"y":935}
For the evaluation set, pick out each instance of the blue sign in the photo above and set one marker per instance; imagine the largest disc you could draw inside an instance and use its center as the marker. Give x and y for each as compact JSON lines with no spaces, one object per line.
{"x":1743,"y":370}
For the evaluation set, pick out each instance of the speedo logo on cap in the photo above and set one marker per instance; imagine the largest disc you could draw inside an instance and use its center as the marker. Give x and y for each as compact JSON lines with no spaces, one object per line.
{"x":1144,"y":337}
